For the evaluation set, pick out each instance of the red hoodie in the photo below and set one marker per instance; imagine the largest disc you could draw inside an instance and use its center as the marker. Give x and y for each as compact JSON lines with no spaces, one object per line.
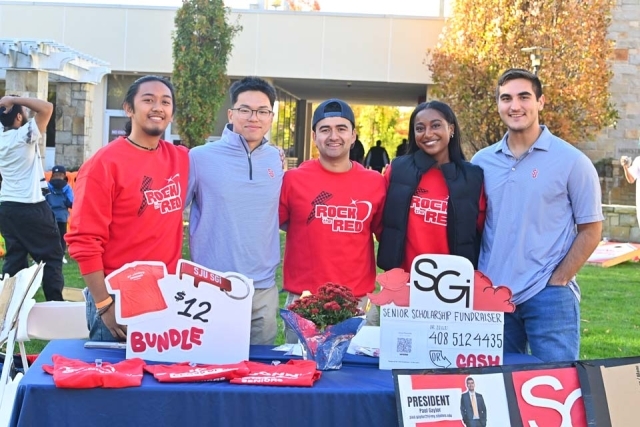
{"x":128,"y":207}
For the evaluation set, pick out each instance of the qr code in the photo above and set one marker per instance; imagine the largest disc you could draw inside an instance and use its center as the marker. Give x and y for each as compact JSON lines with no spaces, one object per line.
{"x":403,"y":345}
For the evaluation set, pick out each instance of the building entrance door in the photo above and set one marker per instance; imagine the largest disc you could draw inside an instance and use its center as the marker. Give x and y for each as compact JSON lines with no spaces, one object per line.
{"x":114,"y":125}
{"x":115,"y":120}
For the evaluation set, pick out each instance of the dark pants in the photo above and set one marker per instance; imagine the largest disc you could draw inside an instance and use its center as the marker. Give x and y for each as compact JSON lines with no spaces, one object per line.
{"x":62,"y":229}
{"x":31,"y":229}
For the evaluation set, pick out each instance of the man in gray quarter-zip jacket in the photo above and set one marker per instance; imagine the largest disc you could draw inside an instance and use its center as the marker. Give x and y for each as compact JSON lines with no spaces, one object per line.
{"x":234,"y":190}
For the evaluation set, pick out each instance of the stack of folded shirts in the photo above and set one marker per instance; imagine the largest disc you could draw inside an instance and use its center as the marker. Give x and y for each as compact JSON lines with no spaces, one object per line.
{"x":72,"y":373}
{"x":191,"y":372}
{"x":300,"y":373}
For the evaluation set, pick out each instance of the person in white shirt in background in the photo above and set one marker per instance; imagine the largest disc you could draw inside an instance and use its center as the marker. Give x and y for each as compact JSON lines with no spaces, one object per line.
{"x":631,"y":173}
{"x":26,"y":220}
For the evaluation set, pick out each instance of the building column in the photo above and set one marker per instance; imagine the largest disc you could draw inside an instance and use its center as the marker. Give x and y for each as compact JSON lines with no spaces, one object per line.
{"x":29,"y":84}
{"x":74,"y":122}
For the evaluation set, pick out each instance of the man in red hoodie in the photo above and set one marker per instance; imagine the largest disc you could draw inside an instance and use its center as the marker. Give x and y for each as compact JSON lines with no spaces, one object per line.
{"x":129,"y":202}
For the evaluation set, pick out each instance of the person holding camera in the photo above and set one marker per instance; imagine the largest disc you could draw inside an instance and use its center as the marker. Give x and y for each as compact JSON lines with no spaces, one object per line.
{"x":631,"y":173}
{"x":26,"y":220}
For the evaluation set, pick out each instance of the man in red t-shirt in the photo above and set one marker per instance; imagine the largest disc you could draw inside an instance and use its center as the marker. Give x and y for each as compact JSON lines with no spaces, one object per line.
{"x":129,"y":201}
{"x":330,"y":208}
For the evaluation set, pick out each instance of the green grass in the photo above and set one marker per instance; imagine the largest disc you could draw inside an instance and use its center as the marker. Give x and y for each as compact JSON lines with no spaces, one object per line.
{"x":610,"y":313}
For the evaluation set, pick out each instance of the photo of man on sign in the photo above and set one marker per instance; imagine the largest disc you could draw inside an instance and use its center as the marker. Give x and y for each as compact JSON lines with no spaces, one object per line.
{"x":472,"y":407}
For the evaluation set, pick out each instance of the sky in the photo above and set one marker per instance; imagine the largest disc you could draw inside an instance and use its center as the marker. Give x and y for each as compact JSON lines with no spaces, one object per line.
{"x":395,"y":7}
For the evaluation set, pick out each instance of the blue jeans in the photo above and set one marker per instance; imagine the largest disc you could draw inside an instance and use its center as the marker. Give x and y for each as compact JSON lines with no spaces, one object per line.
{"x":98,"y":331}
{"x":549,"y":323}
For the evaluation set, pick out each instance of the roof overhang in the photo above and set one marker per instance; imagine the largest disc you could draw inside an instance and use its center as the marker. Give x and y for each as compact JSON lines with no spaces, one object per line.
{"x":64,"y":64}
{"x":355,"y":92}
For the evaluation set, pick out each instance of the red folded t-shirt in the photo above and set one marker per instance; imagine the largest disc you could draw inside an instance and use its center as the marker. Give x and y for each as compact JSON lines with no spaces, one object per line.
{"x":188,"y":373}
{"x":73,"y":373}
{"x":297,"y":373}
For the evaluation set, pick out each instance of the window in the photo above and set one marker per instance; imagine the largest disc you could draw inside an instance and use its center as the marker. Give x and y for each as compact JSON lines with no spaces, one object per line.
{"x":283,"y":130}
{"x":117,"y":86}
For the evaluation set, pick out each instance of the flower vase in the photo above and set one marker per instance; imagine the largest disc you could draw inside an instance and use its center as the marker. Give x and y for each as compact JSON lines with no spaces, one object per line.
{"x":327,"y":348}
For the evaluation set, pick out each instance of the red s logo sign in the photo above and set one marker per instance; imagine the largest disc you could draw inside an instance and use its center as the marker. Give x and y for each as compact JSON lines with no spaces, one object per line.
{"x":550,"y":397}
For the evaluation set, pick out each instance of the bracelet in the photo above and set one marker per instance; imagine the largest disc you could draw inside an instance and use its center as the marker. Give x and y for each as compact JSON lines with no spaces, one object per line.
{"x":104,"y":309}
{"x":104,"y":303}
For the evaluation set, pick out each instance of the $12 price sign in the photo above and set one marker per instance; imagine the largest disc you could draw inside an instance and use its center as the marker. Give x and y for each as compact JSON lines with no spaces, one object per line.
{"x":197,"y":315}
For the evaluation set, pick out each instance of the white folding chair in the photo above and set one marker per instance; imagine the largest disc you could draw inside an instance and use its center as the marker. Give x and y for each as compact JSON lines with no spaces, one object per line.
{"x":8,"y":398}
{"x":57,"y":320}
{"x":22,"y":289}
{"x":52,"y":320}
{"x":46,"y":321}
{"x":8,"y":386}
{"x":17,"y":294}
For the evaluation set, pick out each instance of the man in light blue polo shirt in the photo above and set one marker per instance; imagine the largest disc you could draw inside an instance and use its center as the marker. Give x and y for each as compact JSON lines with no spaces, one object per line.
{"x":544,"y":219}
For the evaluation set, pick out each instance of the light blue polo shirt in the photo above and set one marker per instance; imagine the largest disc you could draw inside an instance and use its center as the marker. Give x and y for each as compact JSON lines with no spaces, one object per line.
{"x":533,"y":206}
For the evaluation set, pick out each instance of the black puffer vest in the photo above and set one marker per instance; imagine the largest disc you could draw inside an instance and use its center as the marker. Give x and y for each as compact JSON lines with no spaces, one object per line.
{"x":465,"y":186}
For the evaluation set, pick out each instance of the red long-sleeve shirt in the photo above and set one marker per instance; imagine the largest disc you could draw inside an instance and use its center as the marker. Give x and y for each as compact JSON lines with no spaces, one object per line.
{"x":128,"y":207}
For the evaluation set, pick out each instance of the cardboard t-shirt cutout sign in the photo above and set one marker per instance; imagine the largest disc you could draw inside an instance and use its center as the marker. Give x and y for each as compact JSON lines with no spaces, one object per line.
{"x":139,"y":291}
{"x":198,"y":315}
{"x":454,"y":317}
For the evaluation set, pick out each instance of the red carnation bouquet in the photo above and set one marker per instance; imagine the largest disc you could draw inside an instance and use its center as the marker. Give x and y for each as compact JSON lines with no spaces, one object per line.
{"x":325,"y":322}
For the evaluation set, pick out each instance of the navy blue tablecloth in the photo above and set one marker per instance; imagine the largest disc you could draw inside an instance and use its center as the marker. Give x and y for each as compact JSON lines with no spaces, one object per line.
{"x":359,"y":394}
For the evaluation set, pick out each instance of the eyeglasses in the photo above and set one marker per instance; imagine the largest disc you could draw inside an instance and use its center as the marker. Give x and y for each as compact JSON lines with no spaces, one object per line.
{"x":245,"y":113}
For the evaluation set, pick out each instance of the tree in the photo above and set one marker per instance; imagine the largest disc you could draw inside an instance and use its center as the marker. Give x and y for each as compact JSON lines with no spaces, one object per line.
{"x":283,"y":129}
{"x":485,"y":37}
{"x":378,"y":122}
{"x":201,"y":45}
{"x":305,"y":5}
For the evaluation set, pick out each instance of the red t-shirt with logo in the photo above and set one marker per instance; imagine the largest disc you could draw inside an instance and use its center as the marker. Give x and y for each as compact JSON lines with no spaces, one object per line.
{"x":427,"y":221}
{"x":188,"y":372}
{"x":294,"y":373}
{"x":331,"y":218}
{"x":73,"y":373}
{"x":139,"y":290}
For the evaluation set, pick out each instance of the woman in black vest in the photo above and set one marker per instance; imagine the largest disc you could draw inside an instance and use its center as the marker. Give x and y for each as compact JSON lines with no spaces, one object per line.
{"x":435,"y":200}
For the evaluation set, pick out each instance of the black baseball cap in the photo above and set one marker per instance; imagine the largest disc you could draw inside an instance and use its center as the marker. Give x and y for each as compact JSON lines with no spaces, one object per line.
{"x":333,"y":108}
{"x":58,"y":169}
